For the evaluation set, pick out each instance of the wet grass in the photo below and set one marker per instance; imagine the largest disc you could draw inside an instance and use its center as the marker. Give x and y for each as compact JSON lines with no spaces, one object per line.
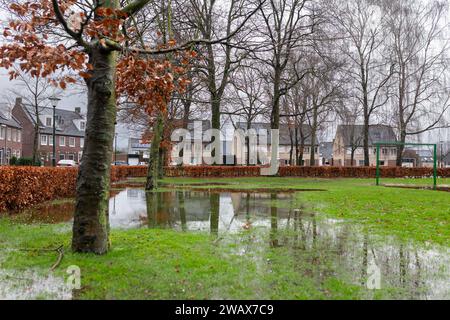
{"x":420,"y":215}
{"x":163,"y":264}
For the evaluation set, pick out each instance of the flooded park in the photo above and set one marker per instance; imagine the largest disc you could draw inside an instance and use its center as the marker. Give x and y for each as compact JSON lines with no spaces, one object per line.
{"x":249,"y":223}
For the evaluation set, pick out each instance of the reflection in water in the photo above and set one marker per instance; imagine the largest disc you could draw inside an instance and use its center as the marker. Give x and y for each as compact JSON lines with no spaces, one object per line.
{"x":261,"y":222}
{"x":328,"y":246}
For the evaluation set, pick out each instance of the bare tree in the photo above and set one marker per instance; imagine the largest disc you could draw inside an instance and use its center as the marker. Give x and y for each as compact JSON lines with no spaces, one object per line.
{"x":421,"y":98}
{"x":288,"y":23}
{"x":362,"y":27}
{"x":246,"y":99}
{"x":34,"y":91}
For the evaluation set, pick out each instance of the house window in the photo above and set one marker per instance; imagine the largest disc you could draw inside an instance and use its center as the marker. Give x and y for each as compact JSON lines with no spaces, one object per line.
{"x":361,"y":163}
{"x":306,"y":150}
{"x":71,"y":157}
{"x":8,"y":134}
{"x":82,"y":125}
{"x":1,"y":157}
{"x":384,"y":151}
{"x":48,"y":122}
{"x":14,"y":135}
{"x":62,"y":156}
{"x":381,"y":163}
{"x":19,"y":136}
{"x":2,"y":133}
{"x":44,"y":139}
{"x":393,"y":151}
{"x":71,"y":142}
{"x":62,"y":141}
{"x":81,"y":142}
{"x":50,"y":140}
{"x":8,"y":155}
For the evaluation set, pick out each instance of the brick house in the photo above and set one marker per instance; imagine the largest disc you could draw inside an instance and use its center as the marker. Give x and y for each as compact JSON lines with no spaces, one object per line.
{"x":349,"y":138}
{"x":10,"y":139}
{"x":286,"y":143}
{"x":70,"y":132}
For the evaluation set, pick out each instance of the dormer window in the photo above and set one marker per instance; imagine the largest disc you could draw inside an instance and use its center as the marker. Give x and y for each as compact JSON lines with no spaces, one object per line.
{"x":48,"y":122}
{"x":82,"y":125}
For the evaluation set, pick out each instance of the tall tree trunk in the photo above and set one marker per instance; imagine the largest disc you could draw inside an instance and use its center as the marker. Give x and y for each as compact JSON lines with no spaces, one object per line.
{"x":161,"y":162}
{"x":36,"y":141}
{"x":312,"y":158}
{"x":154,"y":162}
{"x":91,"y":225}
{"x":275,"y":116}
{"x":247,"y":142}
{"x":366,"y":141}
{"x":366,"y":113}
{"x":297,"y":151}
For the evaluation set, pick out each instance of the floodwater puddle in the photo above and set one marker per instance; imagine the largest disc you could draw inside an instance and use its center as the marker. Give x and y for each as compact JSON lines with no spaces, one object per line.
{"x":47,"y":213}
{"x":276,"y":231}
{"x":31,"y":285}
{"x":418,"y":187}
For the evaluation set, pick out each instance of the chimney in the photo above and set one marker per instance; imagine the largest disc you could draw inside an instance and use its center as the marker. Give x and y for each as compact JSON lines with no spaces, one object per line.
{"x":18,"y":101}
{"x":78,"y":110}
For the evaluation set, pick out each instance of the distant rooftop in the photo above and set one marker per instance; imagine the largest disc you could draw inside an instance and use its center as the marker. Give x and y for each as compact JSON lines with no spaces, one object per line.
{"x":10,"y":122}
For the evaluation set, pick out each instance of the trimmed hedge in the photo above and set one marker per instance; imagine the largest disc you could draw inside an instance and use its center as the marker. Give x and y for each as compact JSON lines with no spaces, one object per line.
{"x":23,"y":187}
{"x":294,"y":171}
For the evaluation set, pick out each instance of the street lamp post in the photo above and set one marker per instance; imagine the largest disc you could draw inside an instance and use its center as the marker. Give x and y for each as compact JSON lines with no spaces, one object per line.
{"x":54,"y":101}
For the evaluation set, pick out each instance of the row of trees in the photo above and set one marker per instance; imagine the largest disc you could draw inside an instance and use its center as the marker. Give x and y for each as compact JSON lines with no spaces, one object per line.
{"x":299,"y":63}
{"x":307,"y":64}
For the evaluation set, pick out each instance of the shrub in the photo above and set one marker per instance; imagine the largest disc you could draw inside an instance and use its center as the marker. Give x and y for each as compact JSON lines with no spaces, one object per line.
{"x":25,"y":162}
{"x":13,"y":161}
{"x":294,"y":171}
{"x":22,"y":187}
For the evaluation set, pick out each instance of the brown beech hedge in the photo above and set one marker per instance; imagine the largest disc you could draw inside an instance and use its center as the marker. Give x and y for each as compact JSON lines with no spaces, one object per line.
{"x":322,"y":172}
{"x":22,"y":187}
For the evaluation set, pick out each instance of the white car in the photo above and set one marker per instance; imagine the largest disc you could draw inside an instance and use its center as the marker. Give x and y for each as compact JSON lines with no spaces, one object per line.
{"x":66,"y":163}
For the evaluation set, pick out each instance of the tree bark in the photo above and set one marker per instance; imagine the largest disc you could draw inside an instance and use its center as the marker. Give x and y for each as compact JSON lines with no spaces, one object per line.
{"x":153,"y":166}
{"x":36,"y":140}
{"x":312,"y":158}
{"x":91,"y":225}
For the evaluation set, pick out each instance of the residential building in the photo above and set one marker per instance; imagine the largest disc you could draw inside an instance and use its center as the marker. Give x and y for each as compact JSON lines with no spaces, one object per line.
{"x":287,"y":143}
{"x":349,"y":139}
{"x":69,"y":137}
{"x":326,"y":153}
{"x":197,"y":129}
{"x":138,"y":151}
{"x":446,"y":160}
{"x":10,"y":138}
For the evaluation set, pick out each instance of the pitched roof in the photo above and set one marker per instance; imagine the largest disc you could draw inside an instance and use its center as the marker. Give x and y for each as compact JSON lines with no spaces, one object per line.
{"x":10,"y":122}
{"x":353,"y":134}
{"x":285,"y":134}
{"x":65,"y":125}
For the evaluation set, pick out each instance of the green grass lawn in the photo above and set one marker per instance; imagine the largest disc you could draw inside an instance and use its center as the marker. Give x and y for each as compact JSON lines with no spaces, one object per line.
{"x":421,"y":215}
{"x":165,"y":264}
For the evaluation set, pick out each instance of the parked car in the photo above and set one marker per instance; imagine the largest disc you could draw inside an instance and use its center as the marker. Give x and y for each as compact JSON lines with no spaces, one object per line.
{"x":119,"y":163}
{"x":66,"y":163}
